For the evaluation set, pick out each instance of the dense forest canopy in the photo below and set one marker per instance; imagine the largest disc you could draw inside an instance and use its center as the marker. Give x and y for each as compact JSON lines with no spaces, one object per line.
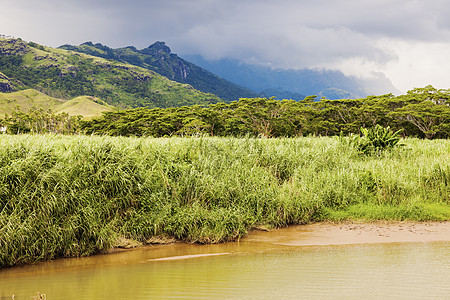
{"x":421,"y":112}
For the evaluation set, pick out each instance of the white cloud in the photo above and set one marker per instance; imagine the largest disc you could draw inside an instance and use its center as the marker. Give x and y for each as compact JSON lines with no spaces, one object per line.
{"x":419,"y":64}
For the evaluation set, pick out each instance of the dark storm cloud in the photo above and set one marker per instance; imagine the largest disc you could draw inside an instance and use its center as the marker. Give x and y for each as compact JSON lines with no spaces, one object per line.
{"x":140,"y":19}
{"x":280,"y":33}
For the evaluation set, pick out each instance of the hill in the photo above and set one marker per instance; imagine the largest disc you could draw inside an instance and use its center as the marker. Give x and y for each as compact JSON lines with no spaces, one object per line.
{"x":159,"y":58}
{"x":24,"y":100}
{"x":85,"y":106}
{"x":323,"y":83}
{"x":66,"y":74}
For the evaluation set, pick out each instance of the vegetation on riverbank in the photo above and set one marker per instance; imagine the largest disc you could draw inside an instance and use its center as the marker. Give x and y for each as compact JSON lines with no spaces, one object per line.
{"x":63,"y":196}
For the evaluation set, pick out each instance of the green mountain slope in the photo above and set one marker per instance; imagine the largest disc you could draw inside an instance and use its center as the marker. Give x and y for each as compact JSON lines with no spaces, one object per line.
{"x":24,"y":100}
{"x":159,"y":58}
{"x":67,"y":74}
{"x":5,"y":84}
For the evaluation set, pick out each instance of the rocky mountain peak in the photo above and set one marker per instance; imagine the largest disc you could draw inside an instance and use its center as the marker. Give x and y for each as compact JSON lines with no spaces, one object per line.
{"x":174,"y":67}
{"x":159,"y":47}
{"x":159,"y":58}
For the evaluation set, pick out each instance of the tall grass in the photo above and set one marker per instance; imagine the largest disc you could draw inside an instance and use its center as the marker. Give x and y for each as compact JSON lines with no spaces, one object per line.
{"x":75,"y":196}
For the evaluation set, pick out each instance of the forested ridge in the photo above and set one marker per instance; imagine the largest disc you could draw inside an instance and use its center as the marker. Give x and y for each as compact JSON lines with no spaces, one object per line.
{"x":159,"y":58}
{"x":66,"y":74}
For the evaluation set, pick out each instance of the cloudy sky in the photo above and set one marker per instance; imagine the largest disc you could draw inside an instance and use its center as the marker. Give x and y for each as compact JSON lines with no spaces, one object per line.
{"x":408,"y":40}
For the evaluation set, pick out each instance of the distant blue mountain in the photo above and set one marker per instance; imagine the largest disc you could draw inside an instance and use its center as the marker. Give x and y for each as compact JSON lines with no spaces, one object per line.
{"x":295,"y":84}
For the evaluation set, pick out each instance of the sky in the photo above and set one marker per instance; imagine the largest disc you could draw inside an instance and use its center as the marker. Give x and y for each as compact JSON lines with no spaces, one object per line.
{"x":407,"y":40}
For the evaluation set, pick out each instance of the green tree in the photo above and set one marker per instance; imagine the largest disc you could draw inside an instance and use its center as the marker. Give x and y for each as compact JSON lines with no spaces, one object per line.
{"x":428,"y":109}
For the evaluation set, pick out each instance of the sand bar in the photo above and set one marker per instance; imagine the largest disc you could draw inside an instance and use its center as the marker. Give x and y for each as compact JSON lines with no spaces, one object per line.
{"x":354,"y":233}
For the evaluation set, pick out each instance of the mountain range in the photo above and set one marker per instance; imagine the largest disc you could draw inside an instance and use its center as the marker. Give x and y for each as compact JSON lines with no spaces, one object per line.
{"x":331,"y":84}
{"x":159,"y":58}
{"x":230,"y":79}
{"x":156,"y":77}
{"x":67,"y":74}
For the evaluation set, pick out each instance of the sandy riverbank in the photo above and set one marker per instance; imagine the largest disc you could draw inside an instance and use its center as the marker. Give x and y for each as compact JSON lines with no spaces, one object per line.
{"x":318,"y":234}
{"x":354,"y":233}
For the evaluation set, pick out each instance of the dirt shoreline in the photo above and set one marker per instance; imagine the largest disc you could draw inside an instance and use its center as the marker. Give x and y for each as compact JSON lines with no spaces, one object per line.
{"x":353,"y":233}
{"x":324,"y":234}
{"x":312,"y":235}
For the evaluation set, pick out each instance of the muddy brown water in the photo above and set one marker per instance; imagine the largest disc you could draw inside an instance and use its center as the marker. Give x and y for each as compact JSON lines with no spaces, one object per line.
{"x":307,"y":262}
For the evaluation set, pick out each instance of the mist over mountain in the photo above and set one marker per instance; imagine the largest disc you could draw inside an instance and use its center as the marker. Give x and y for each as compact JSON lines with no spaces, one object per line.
{"x":323,"y":83}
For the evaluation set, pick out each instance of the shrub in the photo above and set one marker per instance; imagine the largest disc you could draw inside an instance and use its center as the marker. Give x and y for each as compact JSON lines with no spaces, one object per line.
{"x":375,"y":140}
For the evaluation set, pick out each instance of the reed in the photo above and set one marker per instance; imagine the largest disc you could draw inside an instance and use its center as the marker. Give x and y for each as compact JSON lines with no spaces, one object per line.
{"x":65,"y":196}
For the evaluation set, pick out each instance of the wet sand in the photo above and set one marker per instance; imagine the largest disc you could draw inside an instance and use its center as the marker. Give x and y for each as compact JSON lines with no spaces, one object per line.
{"x":354,"y":233}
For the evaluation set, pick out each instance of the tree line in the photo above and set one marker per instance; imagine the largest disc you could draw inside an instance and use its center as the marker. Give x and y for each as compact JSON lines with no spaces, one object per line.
{"x":40,"y":121}
{"x":421,"y":112}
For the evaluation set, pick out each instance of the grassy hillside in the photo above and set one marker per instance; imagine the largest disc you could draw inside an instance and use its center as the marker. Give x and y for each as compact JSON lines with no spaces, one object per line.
{"x":25,"y":100}
{"x":159,"y":58}
{"x":73,"y":196}
{"x":85,"y":106}
{"x":66,"y":74}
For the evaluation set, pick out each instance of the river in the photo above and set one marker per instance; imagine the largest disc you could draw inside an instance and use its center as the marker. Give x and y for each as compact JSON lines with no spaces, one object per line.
{"x":257,"y":267}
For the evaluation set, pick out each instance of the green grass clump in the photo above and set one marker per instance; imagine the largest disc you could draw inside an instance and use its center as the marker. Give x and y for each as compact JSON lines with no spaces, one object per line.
{"x":64,"y":196}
